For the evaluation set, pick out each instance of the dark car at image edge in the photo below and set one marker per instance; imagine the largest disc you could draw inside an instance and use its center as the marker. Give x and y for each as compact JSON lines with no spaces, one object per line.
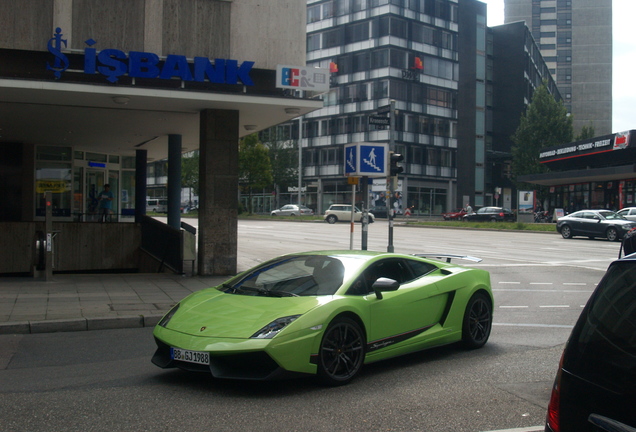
{"x":594,"y":223}
{"x":595,"y":385}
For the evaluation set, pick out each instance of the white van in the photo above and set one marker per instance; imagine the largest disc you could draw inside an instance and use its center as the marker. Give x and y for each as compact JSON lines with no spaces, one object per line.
{"x":157,"y":205}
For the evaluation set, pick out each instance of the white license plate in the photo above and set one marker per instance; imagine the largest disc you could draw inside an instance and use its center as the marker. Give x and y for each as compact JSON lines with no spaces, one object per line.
{"x":190,"y":356}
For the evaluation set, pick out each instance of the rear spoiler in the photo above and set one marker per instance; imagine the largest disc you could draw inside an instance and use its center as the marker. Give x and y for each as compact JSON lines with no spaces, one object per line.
{"x":448,"y":257}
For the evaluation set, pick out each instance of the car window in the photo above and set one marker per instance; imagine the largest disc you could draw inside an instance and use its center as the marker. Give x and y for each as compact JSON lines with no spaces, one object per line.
{"x":419,"y":268}
{"x":605,"y":346}
{"x":300,"y":276}
{"x":390,"y":268}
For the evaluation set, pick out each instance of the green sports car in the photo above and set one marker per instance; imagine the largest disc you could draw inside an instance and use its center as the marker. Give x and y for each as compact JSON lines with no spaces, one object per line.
{"x":325,"y":313}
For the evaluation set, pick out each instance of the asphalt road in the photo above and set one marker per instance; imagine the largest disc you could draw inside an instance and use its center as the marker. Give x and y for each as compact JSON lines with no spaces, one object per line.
{"x":103,"y":380}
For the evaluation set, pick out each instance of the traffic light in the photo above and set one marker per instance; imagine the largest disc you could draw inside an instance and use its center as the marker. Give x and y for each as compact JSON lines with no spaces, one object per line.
{"x":394,"y":168}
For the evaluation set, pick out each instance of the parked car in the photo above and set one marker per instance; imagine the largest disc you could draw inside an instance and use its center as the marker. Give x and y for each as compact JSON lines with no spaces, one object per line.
{"x":342,"y":212}
{"x":157,"y":205}
{"x":594,"y":223}
{"x":293,"y":210}
{"x":491,"y":214}
{"x":379,"y":211}
{"x":594,"y":388}
{"x":456,"y":214}
{"x":325,"y":313}
{"x":628,"y":213}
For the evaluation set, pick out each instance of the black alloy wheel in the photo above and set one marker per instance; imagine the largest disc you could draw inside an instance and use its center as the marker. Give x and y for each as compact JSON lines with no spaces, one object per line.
{"x":566,"y":232}
{"x":341,"y":352}
{"x":477,"y":321}
{"x":612,"y":234}
{"x":332,"y":219}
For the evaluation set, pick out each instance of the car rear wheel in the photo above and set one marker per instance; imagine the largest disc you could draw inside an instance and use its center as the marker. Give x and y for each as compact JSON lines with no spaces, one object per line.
{"x":332,"y":219}
{"x":477,"y":321}
{"x":341,"y":352}
{"x":493,"y":219}
{"x":566,"y":232}
{"x":612,"y":234}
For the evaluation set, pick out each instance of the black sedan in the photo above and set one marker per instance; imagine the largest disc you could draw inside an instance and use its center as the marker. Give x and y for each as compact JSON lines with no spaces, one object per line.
{"x":594,"y":223}
{"x":491,"y":214}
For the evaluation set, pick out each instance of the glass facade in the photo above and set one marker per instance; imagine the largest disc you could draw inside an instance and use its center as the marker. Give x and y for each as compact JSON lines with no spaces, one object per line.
{"x":75,"y":179}
{"x":405,"y":51}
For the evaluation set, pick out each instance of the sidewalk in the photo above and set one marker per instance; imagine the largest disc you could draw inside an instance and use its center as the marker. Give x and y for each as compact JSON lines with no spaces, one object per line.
{"x":77,"y":302}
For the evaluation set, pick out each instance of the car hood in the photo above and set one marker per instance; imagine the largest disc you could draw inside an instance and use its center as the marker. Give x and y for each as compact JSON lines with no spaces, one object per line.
{"x":212,"y":313}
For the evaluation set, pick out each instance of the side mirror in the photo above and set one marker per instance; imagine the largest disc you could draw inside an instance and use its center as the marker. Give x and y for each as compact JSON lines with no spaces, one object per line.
{"x":384,"y":284}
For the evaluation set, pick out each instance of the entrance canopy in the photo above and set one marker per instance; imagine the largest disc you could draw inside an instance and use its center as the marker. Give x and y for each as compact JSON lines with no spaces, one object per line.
{"x":121,"y":119}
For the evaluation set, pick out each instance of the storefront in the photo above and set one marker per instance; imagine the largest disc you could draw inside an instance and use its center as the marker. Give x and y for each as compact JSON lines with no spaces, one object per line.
{"x":598,"y":173}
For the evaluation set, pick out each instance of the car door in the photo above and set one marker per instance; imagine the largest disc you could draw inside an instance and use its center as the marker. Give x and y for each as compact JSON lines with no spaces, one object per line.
{"x":402,"y":314}
{"x":591,"y":225}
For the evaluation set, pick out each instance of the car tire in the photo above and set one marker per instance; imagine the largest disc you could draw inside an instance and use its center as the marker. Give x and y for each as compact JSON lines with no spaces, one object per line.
{"x":566,"y":232}
{"x":293,"y":214}
{"x":611,"y":234}
{"x":332,"y":219}
{"x":493,"y":219}
{"x":341,"y":352}
{"x":273,"y":214}
{"x":477,"y":321}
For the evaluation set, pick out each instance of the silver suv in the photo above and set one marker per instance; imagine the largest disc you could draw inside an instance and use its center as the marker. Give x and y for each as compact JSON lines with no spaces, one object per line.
{"x":342,"y":212}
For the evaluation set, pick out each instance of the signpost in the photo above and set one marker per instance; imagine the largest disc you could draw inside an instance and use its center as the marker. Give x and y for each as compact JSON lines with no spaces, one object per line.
{"x":365,"y":160}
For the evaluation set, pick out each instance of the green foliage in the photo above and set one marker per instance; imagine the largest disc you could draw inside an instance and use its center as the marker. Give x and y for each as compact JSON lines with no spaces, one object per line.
{"x":255,"y":168}
{"x":587,"y":132}
{"x":544,"y":124}
{"x":283,"y":156}
{"x":190,"y":171}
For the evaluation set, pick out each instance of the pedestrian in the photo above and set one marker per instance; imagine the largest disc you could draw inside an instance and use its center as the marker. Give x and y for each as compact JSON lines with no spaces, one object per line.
{"x":105,"y":198}
{"x":469,"y":209}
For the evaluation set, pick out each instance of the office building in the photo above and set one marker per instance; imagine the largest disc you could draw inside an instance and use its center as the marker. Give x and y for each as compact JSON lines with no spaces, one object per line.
{"x":575,"y":38}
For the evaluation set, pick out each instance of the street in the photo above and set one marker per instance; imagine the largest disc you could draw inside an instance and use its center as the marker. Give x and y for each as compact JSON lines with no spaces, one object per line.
{"x":103,"y":380}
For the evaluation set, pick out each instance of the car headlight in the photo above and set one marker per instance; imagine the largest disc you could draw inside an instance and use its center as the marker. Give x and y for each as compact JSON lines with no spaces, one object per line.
{"x":167,"y":317}
{"x":273,"y":328}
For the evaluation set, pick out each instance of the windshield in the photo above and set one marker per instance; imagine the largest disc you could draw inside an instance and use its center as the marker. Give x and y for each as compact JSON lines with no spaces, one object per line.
{"x":611,"y":215}
{"x":304,"y":275}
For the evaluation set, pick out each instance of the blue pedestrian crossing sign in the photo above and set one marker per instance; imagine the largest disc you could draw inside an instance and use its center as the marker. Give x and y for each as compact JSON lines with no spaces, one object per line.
{"x":366,"y":159}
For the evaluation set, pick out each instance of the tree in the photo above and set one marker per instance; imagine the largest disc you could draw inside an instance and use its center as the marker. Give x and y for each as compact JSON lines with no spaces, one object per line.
{"x":545,"y":123}
{"x":587,"y":132}
{"x":255,"y":168}
{"x":283,"y":155}
{"x":190,"y":173}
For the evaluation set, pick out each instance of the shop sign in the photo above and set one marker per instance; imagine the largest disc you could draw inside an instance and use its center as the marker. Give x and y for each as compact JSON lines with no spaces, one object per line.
{"x":55,"y":186}
{"x":302,"y":78}
{"x":113,"y":63}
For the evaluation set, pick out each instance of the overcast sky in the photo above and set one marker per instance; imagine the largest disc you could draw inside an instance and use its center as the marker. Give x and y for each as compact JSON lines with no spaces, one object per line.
{"x":624,"y":47}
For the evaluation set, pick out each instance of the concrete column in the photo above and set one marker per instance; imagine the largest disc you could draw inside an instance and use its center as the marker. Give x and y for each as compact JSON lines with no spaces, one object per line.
{"x":141,"y":179}
{"x":174,"y":181}
{"x":218,"y":191}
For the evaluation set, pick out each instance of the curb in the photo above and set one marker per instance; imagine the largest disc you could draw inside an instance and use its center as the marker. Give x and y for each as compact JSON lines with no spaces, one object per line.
{"x":79,"y":324}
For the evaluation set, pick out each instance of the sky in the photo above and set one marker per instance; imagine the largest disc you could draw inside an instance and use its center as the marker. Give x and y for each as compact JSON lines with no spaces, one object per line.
{"x":624,"y":54}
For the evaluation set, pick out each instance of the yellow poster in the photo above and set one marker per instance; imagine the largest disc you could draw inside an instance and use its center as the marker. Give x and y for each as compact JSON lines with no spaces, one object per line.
{"x":55,"y":186}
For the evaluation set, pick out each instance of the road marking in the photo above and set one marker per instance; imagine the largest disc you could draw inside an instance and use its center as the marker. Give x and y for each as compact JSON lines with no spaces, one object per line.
{"x":510,"y":283}
{"x":555,"y":306}
{"x":574,"y":283}
{"x":541,"y":283}
{"x":532,"y":325}
{"x":513,"y":307}
{"x":526,"y":429}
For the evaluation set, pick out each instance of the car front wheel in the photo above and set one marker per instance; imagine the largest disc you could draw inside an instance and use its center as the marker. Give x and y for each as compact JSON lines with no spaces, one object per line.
{"x":477,"y":321}
{"x":566,"y":232}
{"x":331,"y":219}
{"x":612,"y":234}
{"x":341,"y":352}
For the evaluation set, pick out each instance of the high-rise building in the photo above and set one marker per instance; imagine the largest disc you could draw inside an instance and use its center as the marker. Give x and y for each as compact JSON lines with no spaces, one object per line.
{"x":381,"y":51}
{"x":575,"y":38}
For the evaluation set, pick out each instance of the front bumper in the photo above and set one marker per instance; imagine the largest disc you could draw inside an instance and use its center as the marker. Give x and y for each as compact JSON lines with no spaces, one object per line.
{"x":249,"y":359}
